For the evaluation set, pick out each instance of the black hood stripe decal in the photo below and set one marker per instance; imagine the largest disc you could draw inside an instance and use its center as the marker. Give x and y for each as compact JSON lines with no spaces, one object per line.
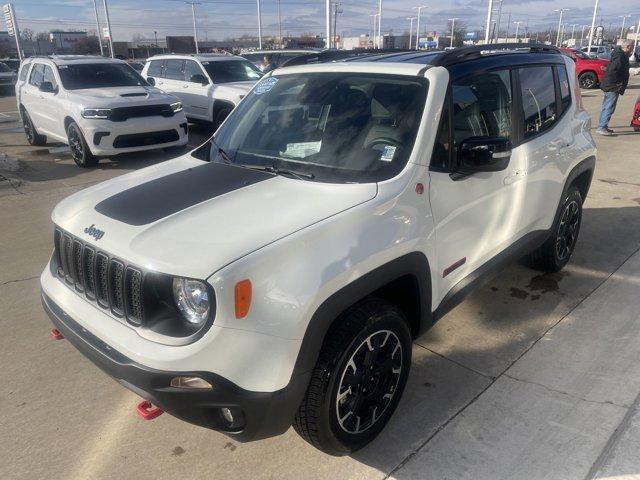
{"x":164,"y":196}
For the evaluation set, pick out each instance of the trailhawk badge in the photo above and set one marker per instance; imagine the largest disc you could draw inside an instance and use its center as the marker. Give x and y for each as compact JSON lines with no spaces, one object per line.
{"x":94,"y":232}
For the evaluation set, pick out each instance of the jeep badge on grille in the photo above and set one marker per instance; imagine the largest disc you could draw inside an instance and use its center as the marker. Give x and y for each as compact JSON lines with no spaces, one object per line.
{"x":94,"y":232}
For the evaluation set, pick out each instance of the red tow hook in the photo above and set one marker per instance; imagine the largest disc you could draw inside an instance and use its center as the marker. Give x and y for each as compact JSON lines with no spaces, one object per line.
{"x":56,"y":335}
{"x":148,"y":411}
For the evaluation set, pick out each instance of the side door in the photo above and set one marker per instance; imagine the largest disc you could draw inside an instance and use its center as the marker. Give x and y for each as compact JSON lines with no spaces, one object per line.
{"x":173,"y":78}
{"x":51,"y":105}
{"x":475,"y":215}
{"x":30,"y":95}
{"x":196,"y":99}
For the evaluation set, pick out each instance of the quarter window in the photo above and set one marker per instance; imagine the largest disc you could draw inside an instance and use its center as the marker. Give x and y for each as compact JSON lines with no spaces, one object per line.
{"x":538,"y":99}
{"x":23,"y":72}
{"x":37,"y":74}
{"x":173,"y":69}
{"x":482,"y":106}
{"x":565,"y":93}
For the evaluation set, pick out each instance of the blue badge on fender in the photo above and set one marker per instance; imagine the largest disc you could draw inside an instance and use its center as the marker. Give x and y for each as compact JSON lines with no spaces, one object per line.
{"x":265,"y":85}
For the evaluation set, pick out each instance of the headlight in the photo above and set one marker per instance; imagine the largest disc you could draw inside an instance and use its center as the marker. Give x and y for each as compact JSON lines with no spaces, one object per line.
{"x":98,"y":113}
{"x":176,"y":107}
{"x":192,"y":299}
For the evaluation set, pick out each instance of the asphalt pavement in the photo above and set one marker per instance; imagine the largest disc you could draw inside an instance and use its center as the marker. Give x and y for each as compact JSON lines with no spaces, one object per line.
{"x":532,"y":377}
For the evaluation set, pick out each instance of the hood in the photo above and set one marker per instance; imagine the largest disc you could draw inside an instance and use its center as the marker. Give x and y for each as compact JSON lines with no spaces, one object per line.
{"x":121,"y":96}
{"x":234,"y":88}
{"x":191,"y":218}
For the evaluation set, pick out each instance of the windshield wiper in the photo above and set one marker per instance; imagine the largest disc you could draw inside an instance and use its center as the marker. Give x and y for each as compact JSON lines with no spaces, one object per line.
{"x":280,"y":171}
{"x":221,"y":152}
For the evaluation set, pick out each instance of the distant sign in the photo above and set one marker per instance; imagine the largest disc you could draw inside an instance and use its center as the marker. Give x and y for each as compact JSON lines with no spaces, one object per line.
{"x":471,"y":35}
{"x":8,"y":18}
{"x":105,"y":33}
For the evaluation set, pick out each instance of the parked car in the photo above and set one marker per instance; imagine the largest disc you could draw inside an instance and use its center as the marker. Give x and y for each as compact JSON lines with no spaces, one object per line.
{"x":98,"y":106}
{"x":590,"y":71}
{"x":137,"y":66}
{"x":209,"y":85}
{"x":598,"y":51}
{"x":279,"y":57}
{"x":278,"y":273}
{"x":7,"y":78}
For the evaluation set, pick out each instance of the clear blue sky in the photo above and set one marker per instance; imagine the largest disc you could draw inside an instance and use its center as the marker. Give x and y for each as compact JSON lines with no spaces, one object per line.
{"x":223,"y":18}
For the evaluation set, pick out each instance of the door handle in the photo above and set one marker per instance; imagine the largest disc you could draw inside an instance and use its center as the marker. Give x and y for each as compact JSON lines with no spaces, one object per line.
{"x":515,"y":176}
{"x":185,"y":86}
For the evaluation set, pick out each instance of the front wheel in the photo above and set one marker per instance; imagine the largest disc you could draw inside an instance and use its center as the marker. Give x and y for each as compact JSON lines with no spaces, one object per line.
{"x":588,"y":80}
{"x":79,"y":148}
{"x":33,"y":137}
{"x":556,"y":251}
{"x":357,"y":383}
{"x":220,"y":116}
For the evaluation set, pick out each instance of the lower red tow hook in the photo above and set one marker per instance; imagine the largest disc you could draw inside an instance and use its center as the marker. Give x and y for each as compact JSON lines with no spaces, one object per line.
{"x":56,"y":335}
{"x":148,"y":411}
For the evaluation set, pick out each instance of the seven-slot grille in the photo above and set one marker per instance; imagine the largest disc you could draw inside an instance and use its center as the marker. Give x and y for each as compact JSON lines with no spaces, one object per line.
{"x":103,"y":279}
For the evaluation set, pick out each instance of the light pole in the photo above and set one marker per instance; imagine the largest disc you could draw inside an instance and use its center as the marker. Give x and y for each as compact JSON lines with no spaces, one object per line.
{"x":155,"y":36}
{"x":195,"y":27}
{"x":582,"y":35}
{"x":593,"y":27}
{"x":327,"y":14}
{"x":418,"y":26}
{"x":380,"y":42}
{"x":624,"y":19}
{"x":573,"y":33}
{"x":95,"y":9}
{"x":561,"y":10}
{"x":411,"y":19}
{"x":374,"y":36}
{"x":453,"y":24}
{"x":488,"y":24}
{"x":106,"y":14}
{"x":336,"y":11}
{"x":499,"y":19}
{"x":279,"y":26}
{"x":517,"y":29}
{"x":635,"y":42}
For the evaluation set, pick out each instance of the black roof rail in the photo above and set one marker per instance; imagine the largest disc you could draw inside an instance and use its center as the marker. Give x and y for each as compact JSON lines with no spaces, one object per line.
{"x":459,"y":55}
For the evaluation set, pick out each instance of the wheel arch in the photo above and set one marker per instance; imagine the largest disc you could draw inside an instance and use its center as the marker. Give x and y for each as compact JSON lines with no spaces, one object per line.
{"x":218,"y":105}
{"x":580,"y":176}
{"x":68,"y":121}
{"x":405,"y":282}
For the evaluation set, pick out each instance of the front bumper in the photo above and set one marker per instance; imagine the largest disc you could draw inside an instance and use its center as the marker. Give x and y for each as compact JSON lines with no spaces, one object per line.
{"x":105,"y":137}
{"x":257,"y":415}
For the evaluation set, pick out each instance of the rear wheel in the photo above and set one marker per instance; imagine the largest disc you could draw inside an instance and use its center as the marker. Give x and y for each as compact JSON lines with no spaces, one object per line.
{"x":33,"y":137}
{"x":556,"y":251}
{"x":220,"y":115}
{"x":588,"y":80}
{"x":359,"y":378}
{"x":79,"y":148}
{"x":636,"y":128}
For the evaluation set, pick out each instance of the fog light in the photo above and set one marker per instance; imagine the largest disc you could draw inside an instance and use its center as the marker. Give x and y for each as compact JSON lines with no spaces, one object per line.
{"x":227,"y":415}
{"x":191,"y":383}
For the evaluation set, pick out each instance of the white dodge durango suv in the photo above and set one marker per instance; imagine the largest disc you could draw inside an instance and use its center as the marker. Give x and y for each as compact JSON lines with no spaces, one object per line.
{"x":209,"y":85}
{"x":98,"y":106}
{"x":277,"y":274}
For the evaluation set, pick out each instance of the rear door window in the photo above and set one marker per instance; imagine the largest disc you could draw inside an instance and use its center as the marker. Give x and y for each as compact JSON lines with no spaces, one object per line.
{"x":565,"y":92}
{"x":155,"y":68}
{"x":538,"y":99}
{"x":173,"y":69}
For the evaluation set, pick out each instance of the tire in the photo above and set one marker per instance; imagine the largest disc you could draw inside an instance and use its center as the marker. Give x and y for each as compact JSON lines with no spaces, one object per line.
{"x":79,"y":148}
{"x":588,"y":80}
{"x":33,"y":137}
{"x":556,"y":251}
{"x":346,"y":362}
{"x":636,"y":128}
{"x":220,"y":115}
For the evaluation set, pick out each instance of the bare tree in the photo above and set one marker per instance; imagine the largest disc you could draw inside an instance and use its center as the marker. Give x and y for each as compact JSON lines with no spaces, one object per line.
{"x":459,"y":31}
{"x":27,"y":34}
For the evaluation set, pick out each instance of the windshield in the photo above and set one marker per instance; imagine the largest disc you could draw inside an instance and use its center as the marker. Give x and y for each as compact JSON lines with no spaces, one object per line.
{"x":334,"y":127}
{"x":99,"y":75}
{"x":4,"y":68}
{"x":226,"y":71}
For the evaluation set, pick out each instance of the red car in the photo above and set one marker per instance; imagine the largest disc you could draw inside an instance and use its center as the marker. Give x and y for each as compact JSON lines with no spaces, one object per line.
{"x":590,"y":71}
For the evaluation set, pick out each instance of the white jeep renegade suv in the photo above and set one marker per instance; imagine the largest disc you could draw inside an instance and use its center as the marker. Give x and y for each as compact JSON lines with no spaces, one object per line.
{"x":209,"y":85}
{"x":99,"y":106}
{"x":277,"y":274}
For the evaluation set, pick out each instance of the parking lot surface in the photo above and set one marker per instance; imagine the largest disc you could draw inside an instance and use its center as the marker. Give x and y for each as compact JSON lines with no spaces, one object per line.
{"x":533,"y":376}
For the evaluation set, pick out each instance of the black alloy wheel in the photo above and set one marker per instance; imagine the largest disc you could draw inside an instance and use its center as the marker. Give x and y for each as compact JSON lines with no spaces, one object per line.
{"x":568,"y":230}
{"x":79,"y":150}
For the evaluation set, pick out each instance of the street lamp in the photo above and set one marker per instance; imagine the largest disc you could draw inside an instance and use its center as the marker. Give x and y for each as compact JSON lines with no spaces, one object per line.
{"x":453,"y":24}
{"x":374,"y":37}
{"x":418,"y":26}
{"x":593,"y":27}
{"x":411,"y":19}
{"x":517,"y":29}
{"x":380,"y":42}
{"x":488,"y":24}
{"x":561,"y":10}
{"x":195,"y":27}
{"x":624,"y":19}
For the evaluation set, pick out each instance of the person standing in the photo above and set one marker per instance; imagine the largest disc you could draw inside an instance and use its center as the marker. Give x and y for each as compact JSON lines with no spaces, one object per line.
{"x":615,"y":81}
{"x":268,"y":64}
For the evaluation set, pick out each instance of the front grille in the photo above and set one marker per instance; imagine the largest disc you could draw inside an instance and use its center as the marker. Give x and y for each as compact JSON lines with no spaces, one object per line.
{"x":109,"y":282}
{"x":120,"y":114}
{"x":147,"y":138}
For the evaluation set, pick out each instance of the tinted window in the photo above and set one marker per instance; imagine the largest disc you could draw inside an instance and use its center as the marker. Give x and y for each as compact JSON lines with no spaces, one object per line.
{"x":191,"y":68}
{"x":155,"y":68}
{"x":442,"y":146}
{"x":99,"y":75}
{"x":48,"y":76}
{"x":226,"y":71}
{"x":173,"y":69}
{"x":565,"y":92}
{"x":4,"y":68}
{"x":339,"y":127}
{"x":23,"y":72}
{"x":37,"y":74}
{"x":538,"y":99}
{"x":482,"y":106}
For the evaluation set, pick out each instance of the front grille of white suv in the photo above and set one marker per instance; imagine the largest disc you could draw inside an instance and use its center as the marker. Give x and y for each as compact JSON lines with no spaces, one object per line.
{"x":101,"y":278}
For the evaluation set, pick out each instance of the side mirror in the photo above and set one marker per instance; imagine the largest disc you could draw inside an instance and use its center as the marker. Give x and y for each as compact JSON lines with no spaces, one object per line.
{"x":483,"y":154}
{"x":47,"y":87}
{"x":199,"y":78}
{"x":151,"y":81}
